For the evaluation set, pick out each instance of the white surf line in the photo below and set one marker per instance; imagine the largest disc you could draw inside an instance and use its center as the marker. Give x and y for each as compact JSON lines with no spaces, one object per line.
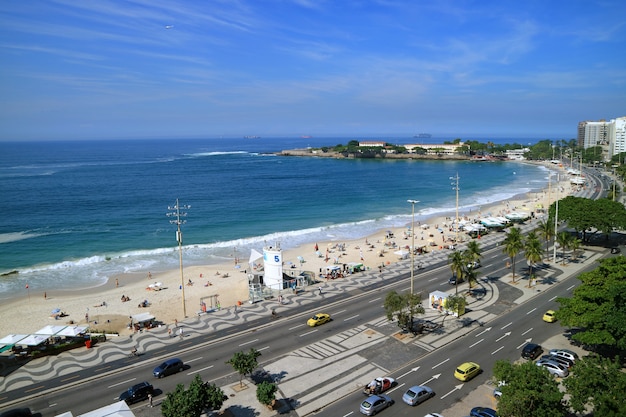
{"x":122,"y":383}
{"x":247,"y":343}
{"x":200,"y":370}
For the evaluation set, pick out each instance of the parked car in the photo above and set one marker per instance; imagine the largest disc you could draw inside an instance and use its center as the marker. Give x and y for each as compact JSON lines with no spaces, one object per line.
{"x":553,"y":367}
{"x":497,"y":392}
{"x":375,"y":403}
{"x":473,"y":265}
{"x":549,"y":316}
{"x":483,"y":412}
{"x":531,"y":351}
{"x":319,"y":318}
{"x":565,"y":353}
{"x":417,"y":394}
{"x":169,"y":367}
{"x":560,"y":360}
{"x":466,"y":371}
{"x":137,"y":392}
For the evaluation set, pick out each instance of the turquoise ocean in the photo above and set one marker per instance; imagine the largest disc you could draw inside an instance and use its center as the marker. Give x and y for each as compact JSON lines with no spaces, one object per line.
{"x":75,"y":213}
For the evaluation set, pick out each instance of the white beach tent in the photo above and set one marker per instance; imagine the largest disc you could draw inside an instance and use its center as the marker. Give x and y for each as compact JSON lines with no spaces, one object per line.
{"x":50,"y":330}
{"x":73,"y":331}
{"x":118,"y":409}
{"x":12,"y":339}
{"x":402,"y":254}
{"x":33,"y":340}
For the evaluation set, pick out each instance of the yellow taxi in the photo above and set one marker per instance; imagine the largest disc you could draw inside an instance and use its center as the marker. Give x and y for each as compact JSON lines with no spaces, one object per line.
{"x":466,"y":371}
{"x":549,"y":316}
{"x":319,"y":318}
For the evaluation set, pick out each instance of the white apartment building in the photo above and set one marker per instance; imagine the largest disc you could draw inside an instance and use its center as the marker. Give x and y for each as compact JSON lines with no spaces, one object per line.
{"x":609,"y":135}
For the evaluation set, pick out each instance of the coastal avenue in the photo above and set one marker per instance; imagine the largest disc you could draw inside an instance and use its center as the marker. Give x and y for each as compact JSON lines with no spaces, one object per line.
{"x":411,"y":363}
{"x":290,"y":334}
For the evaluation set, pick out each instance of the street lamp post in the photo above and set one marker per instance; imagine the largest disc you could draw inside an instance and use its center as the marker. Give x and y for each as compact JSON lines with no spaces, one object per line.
{"x":175,"y":212}
{"x":413,"y":203}
{"x":556,"y":219}
{"x":455,"y":187}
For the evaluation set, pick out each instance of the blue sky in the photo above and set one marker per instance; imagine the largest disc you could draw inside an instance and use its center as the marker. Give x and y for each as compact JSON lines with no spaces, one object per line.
{"x":164,"y":68}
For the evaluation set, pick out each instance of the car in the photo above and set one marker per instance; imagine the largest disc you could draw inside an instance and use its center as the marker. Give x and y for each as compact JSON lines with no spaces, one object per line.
{"x":483,"y":412}
{"x":375,"y":403}
{"x":378,"y":385}
{"x":615,"y":250}
{"x":169,"y":367}
{"x":473,"y":265}
{"x":549,"y":316}
{"x":453,"y":280}
{"x":531,"y":351}
{"x":17,"y":412}
{"x":466,"y":371}
{"x":553,"y":367}
{"x":560,"y":360}
{"x":319,"y":318}
{"x":497,"y":392}
{"x":137,"y":392}
{"x":417,"y":394}
{"x":565,"y":353}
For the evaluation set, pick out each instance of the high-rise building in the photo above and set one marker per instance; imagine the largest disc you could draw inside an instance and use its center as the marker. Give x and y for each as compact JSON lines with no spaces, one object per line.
{"x":609,"y":136}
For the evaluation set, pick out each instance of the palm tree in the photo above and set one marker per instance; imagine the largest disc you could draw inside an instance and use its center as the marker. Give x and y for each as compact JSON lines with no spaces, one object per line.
{"x":532,"y":252}
{"x":473,"y":249}
{"x":563,"y":239}
{"x":546,"y":232}
{"x":574,"y":245}
{"x":456,"y":262}
{"x":512,"y":246}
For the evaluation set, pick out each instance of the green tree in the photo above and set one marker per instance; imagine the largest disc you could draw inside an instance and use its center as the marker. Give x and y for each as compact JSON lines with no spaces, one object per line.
{"x":244,"y":363}
{"x":532,"y":253}
{"x":193,"y":401}
{"x":457,"y":266}
{"x":513,"y":245}
{"x":546,"y":232}
{"x":598,"y":305}
{"x":403,"y":308}
{"x":584,"y":215}
{"x":594,"y":386}
{"x":529,"y":391}
{"x":454,"y":303}
{"x":563,"y":239}
{"x":471,"y":254}
{"x":266,"y":392}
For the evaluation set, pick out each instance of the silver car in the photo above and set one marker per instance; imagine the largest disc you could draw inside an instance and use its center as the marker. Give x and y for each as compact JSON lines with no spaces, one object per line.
{"x":375,"y":403}
{"x":553,"y":367}
{"x":564,"y":353}
{"x":417,"y":395}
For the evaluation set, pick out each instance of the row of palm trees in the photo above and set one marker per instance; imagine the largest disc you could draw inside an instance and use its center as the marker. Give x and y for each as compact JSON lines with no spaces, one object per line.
{"x":462,"y":263}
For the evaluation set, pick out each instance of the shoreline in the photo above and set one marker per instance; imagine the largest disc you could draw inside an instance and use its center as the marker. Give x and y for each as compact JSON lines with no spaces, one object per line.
{"x":27,"y":314}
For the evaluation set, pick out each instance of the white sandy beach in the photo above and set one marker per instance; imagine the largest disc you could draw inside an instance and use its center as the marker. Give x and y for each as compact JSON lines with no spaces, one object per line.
{"x":107,"y":312}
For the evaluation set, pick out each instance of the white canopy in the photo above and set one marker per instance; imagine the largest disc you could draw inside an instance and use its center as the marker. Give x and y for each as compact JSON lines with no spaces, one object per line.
{"x":12,"y":339}
{"x":50,"y":330}
{"x":118,"y":409}
{"x":331,"y":268}
{"x":73,"y":330}
{"x":140,"y":318}
{"x":33,"y":340}
{"x":254,"y":255}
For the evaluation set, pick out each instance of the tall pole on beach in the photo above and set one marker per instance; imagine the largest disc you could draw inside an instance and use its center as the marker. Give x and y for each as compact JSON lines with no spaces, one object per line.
{"x":556,"y":219}
{"x":413,"y":203}
{"x":455,"y":187}
{"x":175,"y":212}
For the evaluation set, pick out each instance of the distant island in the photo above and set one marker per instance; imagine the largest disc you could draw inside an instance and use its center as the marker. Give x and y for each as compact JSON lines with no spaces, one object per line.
{"x":423,"y":135}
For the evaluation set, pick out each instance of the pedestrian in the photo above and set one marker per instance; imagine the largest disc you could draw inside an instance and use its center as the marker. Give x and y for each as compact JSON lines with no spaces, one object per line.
{"x":45,"y":295}
{"x":117,"y":283}
{"x":150,"y":399}
{"x":180,"y":333}
{"x":169,"y":332}
{"x":176,"y":322}
{"x":149,"y":275}
{"x":320,"y":289}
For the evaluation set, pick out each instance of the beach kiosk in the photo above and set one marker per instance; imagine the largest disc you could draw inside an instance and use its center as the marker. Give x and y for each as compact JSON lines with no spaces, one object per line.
{"x":437,"y":301}
{"x":273,"y":266}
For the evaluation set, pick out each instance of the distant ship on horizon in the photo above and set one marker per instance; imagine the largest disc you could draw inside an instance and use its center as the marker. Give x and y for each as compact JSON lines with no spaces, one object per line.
{"x":423,"y":135}
{"x":252,"y":137}
{"x":306,"y":137}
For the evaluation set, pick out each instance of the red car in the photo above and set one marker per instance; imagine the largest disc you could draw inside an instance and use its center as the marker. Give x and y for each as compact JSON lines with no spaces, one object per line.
{"x":378,"y":385}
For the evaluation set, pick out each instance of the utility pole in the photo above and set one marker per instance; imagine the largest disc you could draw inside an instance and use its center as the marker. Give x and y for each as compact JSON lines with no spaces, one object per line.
{"x":413,"y":203}
{"x":455,"y":187}
{"x":176,"y":214}
{"x":556,"y":219}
